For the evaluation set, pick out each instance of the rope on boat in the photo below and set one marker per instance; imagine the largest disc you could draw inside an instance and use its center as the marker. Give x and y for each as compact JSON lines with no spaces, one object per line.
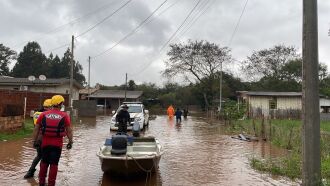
{"x":143,"y":169}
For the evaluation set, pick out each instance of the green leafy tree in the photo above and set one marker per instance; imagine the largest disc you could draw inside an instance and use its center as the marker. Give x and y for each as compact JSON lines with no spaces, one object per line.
{"x":77,"y":73}
{"x":150,"y":90}
{"x":198,"y":60}
{"x":269,"y":62}
{"x":55,"y":66}
{"x":61,"y":68}
{"x":31,"y":61}
{"x":6,"y":56}
{"x":131,"y":85}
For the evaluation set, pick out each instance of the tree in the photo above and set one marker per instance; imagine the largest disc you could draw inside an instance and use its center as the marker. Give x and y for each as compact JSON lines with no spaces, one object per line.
{"x":131,"y":85}
{"x":6,"y":55}
{"x":77,"y":73}
{"x":31,"y":61}
{"x":61,"y":68}
{"x":269,"y":62}
{"x":55,"y":66}
{"x":198,"y":59}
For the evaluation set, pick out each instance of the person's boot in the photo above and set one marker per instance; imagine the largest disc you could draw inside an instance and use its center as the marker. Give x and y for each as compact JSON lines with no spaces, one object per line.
{"x":29,"y":174}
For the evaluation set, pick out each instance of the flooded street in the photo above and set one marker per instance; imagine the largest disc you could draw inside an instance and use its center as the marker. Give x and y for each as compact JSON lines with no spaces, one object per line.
{"x":196,"y":153}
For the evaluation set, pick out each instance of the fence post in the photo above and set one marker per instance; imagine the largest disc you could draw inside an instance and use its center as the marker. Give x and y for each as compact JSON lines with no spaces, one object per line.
{"x":270,"y":129}
{"x":254,"y":127}
{"x":263,"y":128}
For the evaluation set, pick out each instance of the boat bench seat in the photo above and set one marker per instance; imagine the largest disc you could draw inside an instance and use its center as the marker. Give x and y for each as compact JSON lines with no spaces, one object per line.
{"x":144,"y":149}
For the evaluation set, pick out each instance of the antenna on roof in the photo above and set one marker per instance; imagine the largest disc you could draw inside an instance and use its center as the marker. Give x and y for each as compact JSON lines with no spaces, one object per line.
{"x":31,"y":78}
{"x":42,"y":77}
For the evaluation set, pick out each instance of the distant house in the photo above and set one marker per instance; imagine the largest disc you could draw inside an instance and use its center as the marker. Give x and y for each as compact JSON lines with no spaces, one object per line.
{"x":276,"y":104}
{"x":111,"y":99}
{"x":83,"y":93}
{"x":60,"y":86}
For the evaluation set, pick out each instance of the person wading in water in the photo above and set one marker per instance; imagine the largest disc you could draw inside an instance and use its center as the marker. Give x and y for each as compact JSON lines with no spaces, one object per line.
{"x":53,"y":125}
{"x":37,"y":145}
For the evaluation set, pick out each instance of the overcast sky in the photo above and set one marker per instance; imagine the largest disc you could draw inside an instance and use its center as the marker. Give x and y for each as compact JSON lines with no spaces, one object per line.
{"x":264,"y":24}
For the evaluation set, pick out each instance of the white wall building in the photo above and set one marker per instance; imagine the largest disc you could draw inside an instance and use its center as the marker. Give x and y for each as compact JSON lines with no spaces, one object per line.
{"x":60,"y":86}
{"x":267,"y":103}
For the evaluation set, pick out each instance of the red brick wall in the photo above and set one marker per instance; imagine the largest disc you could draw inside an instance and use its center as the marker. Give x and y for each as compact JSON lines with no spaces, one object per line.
{"x":34,"y":100}
{"x":11,"y":124}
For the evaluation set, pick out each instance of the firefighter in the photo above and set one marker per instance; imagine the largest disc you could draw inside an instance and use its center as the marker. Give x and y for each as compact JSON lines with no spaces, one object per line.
{"x":53,"y":125}
{"x":47,"y":105}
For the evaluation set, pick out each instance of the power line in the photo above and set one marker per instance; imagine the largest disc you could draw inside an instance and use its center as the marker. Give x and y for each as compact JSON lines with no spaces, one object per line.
{"x":237,"y":24}
{"x":91,"y":28}
{"x":104,"y":19}
{"x":202,"y":11}
{"x":180,"y":26}
{"x":160,"y":51}
{"x":56,"y":29}
{"x":57,"y":48}
{"x":132,"y":32}
{"x":165,"y":10}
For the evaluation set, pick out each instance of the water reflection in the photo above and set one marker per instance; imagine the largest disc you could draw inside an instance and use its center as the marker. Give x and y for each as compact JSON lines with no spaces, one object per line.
{"x":196,"y":153}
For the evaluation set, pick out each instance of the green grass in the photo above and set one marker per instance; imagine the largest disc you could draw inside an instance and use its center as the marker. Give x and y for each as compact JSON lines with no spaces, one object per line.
{"x":285,"y":134}
{"x":24,"y":132}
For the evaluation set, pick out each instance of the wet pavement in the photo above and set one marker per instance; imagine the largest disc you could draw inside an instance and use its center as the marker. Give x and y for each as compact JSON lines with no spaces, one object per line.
{"x":196,"y":153}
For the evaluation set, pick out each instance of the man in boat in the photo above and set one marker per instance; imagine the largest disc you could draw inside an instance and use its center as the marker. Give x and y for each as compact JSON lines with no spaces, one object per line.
{"x":178,"y":115}
{"x":47,"y":105}
{"x":53,"y":125}
{"x":123,"y":118}
{"x":170,"y":111}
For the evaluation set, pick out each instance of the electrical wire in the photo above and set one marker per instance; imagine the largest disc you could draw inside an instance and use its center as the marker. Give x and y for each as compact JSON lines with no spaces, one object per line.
{"x":202,"y":11}
{"x":74,"y":21}
{"x":130,"y":33}
{"x":57,"y":48}
{"x":184,"y":21}
{"x":91,"y":28}
{"x":237,"y":24}
{"x":104,"y":19}
{"x":160,"y":51}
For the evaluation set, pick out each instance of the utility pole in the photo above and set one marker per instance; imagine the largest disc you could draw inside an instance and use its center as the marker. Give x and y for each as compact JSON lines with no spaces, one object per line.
{"x":89,"y":76}
{"x":311,"y":173}
{"x":220,"y":95}
{"x":71,"y":74}
{"x":125,"y":86}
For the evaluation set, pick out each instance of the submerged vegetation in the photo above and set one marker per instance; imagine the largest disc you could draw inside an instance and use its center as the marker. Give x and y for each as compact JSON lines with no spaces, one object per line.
{"x":21,"y":133}
{"x":285,"y":134}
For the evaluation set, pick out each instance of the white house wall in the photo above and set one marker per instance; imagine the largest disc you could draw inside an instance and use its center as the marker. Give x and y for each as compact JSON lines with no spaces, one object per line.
{"x":284,"y":103}
{"x":324,"y":102}
{"x":289,"y":103}
{"x":61,"y":89}
{"x":261,"y":102}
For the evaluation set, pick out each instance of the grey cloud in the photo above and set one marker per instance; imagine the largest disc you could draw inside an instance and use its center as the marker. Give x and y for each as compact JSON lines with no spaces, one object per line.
{"x":264,"y":24}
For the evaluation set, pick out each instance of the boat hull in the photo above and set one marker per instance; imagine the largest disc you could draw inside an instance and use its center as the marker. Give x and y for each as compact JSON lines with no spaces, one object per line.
{"x":130,"y":166}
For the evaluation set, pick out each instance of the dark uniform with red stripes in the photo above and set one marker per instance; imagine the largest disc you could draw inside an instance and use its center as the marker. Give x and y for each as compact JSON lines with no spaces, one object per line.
{"x":52,"y":127}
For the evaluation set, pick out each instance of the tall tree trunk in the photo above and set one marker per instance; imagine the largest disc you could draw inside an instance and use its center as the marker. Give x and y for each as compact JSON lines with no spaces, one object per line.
{"x":206,"y":102}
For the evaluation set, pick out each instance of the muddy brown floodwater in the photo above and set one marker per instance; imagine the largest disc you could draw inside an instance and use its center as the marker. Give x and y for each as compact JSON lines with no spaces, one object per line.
{"x":196,"y":153}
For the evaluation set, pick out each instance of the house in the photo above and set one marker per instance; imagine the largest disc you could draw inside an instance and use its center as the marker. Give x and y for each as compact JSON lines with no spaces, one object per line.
{"x":276,"y":104}
{"x":83,"y":93}
{"x":55,"y":86}
{"x":111,"y":99}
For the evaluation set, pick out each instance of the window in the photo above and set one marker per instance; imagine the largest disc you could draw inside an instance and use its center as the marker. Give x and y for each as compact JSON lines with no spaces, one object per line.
{"x":273,"y":103}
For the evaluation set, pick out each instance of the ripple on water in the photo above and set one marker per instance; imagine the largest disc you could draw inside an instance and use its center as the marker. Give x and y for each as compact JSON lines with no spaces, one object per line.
{"x":196,"y":153}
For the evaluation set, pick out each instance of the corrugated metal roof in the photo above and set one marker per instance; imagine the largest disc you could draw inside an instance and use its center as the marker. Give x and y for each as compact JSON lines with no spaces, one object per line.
{"x":261,"y":93}
{"x":25,"y":81}
{"x":116,"y":94}
{"x":86,"y":91}
{"x":278,"y":94}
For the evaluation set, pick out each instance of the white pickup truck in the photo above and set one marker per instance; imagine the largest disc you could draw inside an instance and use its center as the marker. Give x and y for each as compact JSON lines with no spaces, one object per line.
{"x":137,"y":113}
